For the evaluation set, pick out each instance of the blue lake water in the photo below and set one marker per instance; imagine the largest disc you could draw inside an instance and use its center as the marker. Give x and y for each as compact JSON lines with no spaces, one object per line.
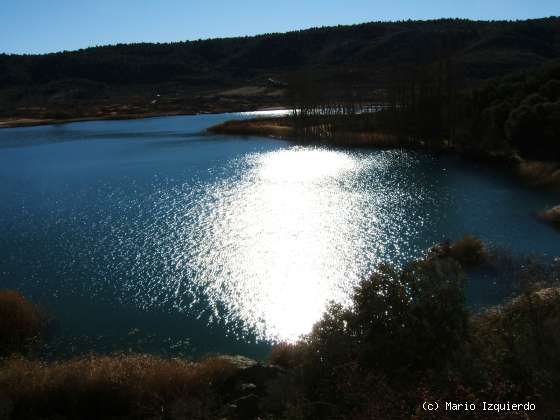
{"x":148,"y":235}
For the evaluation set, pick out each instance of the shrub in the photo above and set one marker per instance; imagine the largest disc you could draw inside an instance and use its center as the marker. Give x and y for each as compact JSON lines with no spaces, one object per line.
{"x":402,"y":322}
{"x":469,"y":252}
{"x":410,"y":320}
{"x":408,"y":337}
{"x":21,"y":323}
{"x":520,"y":341}
{"x":287,"y":355}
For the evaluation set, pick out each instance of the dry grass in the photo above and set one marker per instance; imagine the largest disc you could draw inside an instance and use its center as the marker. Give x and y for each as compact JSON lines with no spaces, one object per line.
{"x":282,"y":127}
{"x":131,"y":386}
{"x":245,"y":91}
{"x":21,"y":323}
{"x":540,"y":174}
{"x":23,"y":122}
{"x":268,"y":127}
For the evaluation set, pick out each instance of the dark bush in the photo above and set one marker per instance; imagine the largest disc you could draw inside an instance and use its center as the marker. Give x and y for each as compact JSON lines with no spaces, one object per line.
{"x":469,"y":251}
{"x":407,"y":338}
{"x":21,"y":323}
{"x":520,"y":341}
{"x":402,"y":322}
{"x":410,"y":320}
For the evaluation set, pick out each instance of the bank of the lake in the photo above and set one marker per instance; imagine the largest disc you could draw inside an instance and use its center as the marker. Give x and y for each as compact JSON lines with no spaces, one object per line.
{"x":536,"y":174}
{"x":283,"y":128}
{"x":32,"y":121}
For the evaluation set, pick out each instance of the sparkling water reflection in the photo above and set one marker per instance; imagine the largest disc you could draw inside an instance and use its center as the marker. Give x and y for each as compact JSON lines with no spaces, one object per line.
{"x":285,"y":238}
{"x":272,"y":245}
{"x":214,"y":241}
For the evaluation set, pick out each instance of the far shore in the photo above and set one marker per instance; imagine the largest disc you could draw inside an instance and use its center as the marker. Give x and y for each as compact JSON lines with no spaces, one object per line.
{"x":282,"y":128}
{"x":535,"y":174}
{"x":15,"y":122}
{"x":31,"y":122}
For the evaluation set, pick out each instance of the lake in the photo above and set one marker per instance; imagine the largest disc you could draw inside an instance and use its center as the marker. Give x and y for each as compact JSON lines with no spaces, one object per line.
{"x":149,"y":235}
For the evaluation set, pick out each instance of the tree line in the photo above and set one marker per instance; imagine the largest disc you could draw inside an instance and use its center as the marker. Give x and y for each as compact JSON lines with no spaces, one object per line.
{"x":432,"y":104}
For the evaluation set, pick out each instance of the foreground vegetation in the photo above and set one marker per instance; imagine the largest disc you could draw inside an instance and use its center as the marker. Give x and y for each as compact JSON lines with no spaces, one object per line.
{"x":407,"y":338}
{"x":21,"y":323}
{"x":133,"y":386}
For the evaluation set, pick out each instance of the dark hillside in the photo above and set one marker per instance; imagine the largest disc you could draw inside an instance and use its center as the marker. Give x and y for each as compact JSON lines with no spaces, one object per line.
{"x":199,"y":75}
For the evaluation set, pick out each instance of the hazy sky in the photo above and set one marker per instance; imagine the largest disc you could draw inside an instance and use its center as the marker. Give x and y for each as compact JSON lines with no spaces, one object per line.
{"x":38,"y":26}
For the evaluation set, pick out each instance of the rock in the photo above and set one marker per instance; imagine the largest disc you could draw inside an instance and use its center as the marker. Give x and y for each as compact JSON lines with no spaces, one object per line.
{"x":246,"y":407}
{"x":6,"y":408}
{"x":250,"y":375}
{"x":247,"y":386}
{"x":240,"y":362}
{"x":259,"y":374}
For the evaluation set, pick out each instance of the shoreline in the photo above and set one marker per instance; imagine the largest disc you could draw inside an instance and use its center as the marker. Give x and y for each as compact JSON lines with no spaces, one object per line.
{"x":36,"y":122}
{"x":534,"y":174}
{"x":11,"y":122}
{"x":279,"y":128}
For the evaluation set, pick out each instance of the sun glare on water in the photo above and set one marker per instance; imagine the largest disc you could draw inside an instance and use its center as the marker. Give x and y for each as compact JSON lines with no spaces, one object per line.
{"x":279,"y":244}
{"x":265,"y":245}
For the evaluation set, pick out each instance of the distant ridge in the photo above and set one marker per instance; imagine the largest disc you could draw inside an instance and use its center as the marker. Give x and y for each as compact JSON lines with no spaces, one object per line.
{"x":190,"y":75}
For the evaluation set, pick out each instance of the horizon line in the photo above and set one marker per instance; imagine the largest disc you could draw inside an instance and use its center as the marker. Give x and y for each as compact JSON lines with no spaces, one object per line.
{"x":278,"y":33}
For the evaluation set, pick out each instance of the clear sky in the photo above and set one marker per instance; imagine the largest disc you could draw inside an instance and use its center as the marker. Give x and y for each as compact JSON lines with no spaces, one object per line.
{"x":39,"y":26}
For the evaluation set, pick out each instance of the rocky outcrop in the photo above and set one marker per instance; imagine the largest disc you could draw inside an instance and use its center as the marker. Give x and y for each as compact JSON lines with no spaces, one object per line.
{"x":248,"y":386}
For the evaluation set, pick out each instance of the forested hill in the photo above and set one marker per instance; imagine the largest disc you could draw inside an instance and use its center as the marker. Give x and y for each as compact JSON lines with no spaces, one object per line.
{"x":252,"y":71}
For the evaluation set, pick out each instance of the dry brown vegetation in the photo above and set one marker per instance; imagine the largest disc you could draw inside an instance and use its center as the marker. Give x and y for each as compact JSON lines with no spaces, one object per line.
{"x":540,"y":174}
{"x":268,"y":127}
{"x":120,"y":386}
{"x":283,"y":127}
{"x":21,"y":323}
{"x":285,"y":354}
